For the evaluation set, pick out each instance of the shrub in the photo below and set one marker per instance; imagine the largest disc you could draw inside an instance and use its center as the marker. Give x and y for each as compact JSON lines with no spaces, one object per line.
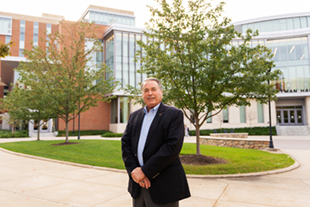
{"x":111,"y":134}
{"x":82,"y":132}
{"x":17,"y":134}
{"x":249,"y":130}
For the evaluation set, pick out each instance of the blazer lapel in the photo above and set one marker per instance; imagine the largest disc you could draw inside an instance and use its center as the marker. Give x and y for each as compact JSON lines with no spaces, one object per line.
{"x":155,"y":122}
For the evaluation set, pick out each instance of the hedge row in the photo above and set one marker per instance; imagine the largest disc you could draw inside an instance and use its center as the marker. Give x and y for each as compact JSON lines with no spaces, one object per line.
{"x":249,"y":130}
{"x":16,"y":134}
{"x":82,"y":132}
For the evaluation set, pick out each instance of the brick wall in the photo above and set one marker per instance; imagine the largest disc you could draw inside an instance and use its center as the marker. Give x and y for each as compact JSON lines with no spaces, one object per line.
{"x":96,"y":118}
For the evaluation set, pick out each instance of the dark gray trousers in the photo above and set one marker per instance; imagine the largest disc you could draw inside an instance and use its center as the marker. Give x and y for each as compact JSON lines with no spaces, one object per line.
{"x":144,"y":200}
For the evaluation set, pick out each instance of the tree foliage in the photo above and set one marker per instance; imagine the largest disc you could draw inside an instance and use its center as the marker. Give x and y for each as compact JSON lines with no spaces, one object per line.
{"x":5,"y":49}
{"x":71,"y":80}
{"x":192,"y":51}
{"x":23,"y":104}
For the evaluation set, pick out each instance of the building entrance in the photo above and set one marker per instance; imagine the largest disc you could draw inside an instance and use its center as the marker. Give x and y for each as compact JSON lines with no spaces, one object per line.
{"x":289,"y":115}
{"x":43,"y":126}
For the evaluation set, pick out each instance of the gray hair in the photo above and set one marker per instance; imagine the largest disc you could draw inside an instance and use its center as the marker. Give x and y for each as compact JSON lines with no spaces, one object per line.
{"x":152,"y":79}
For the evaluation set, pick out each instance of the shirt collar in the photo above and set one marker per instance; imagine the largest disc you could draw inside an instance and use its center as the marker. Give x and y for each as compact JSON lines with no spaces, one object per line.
{"x":155,"y":109}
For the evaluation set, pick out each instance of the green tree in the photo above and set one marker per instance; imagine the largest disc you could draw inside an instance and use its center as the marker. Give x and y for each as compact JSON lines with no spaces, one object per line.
{"x":66,"y":72}
{"x":191,"y":51}
{"x":5,"y":49}
{"x":23,"y":104}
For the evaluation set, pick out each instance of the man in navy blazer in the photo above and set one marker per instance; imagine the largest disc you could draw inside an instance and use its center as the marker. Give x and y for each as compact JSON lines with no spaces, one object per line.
{"x":151,"y":144}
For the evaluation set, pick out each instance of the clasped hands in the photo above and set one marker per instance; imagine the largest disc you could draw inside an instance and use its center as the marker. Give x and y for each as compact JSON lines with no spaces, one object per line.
{"x":139,"y":177}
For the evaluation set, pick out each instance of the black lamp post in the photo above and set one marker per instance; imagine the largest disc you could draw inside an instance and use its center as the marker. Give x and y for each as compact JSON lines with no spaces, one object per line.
{"x":270,"y":131}
{"x":79,"y":123}
{"x":73,"y":125}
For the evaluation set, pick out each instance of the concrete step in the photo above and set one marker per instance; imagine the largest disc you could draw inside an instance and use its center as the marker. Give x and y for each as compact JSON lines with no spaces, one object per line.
{"x":43,"y":134}
{"x":293,"y":130}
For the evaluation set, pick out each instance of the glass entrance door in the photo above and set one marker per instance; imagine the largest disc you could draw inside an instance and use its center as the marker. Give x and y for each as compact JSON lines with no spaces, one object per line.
{"x":291,"y":115}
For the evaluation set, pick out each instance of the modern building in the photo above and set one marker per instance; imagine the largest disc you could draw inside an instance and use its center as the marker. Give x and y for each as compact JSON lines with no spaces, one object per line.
{"x":287,"y":36}
{"x":23,"y":29}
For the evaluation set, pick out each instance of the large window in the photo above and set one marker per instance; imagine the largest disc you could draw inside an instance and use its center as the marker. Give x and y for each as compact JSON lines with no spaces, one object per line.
{"x":5,"y":25}
{"x":48,"y":32}
{"x":291,"y":56}
{"x":209,"y":120}
{"x":35,"y":33}
{"x":22,"y":38}
{"x":242,"y":114}
{"x":109,"y":54}
{"x":126,"y":70}
{"x":120,"y":110}
{"x":225,"y":115}
{"x":277,"y":24}
{"x":106,"y":18}
{"x":260,"y":112}
{"x":7,"y":39}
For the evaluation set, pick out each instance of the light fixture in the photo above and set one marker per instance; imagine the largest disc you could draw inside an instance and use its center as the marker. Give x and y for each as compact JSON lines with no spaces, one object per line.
{"x":292,"y":49}
{"x":275,"y":51}
{"x":302,"y":57}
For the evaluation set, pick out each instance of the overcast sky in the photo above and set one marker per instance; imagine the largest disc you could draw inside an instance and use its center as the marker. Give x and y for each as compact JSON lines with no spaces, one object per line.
{"x":237,"y":10}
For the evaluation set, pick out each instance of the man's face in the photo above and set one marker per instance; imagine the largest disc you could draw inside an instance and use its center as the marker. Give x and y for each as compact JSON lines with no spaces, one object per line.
{"x":151,"y":94}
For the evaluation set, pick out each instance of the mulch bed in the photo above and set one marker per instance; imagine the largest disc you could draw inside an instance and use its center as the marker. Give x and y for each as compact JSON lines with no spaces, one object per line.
{"x":200,"y":160}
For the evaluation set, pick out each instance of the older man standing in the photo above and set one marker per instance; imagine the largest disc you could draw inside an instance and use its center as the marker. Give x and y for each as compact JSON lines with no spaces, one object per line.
{"x":151,"y":145}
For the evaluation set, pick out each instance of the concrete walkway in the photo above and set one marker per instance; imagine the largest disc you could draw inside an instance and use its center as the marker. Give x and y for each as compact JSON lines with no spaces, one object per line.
{"x":26,"y":181}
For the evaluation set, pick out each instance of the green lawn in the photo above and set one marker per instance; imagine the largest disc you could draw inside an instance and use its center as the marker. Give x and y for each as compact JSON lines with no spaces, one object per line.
{"x":108,"y":154}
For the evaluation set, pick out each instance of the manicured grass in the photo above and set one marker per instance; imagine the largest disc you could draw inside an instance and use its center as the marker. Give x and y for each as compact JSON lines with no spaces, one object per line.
{"x":108,"y":154}
{"x":238,"y":160}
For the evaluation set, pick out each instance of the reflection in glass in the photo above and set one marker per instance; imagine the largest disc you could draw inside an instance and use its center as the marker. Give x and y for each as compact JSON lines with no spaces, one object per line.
{"x":225,"y":115}
{"x":292,"y":116}
{"x":124,"y":109}
{"x":299,"y":116}
{"x":285,"y":117}
{"x":279,"y":118}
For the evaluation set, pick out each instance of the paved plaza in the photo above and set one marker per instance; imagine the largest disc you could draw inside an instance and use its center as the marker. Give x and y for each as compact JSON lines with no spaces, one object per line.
{"x":27,"y":181}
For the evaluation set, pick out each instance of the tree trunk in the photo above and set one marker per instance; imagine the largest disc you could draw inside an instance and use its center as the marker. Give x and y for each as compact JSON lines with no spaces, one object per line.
{"x":197,"y":141}
{"x":67,"y":132}
{"x":38,"y":134}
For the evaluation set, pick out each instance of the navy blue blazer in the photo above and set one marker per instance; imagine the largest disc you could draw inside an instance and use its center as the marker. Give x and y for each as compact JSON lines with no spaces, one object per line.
{"x":162,"y":165}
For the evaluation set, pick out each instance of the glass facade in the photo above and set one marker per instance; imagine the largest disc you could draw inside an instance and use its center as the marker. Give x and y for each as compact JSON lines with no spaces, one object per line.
{"x":22,"y":38}
{"x":95,"y":58}
{"x":106,"y":18}
{"x":276,"y":24}
{"x":109,"y":54}
{"x":291,"y":56}
{"x":125,"y":69}
{"x":5,"y":25}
